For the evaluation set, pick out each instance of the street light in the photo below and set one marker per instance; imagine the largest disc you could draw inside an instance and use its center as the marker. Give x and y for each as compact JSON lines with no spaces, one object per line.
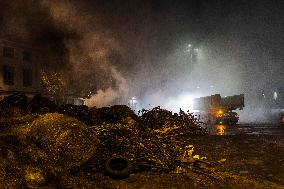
{"x":192,"y":52}
{"x":275,"y":95}
{"x":133,"y":102}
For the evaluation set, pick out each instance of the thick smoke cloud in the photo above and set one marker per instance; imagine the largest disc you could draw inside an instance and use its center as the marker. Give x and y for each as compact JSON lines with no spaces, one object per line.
{"x":89,"y":54}
{"x":239,"y":45}
{"x":139,"y":48}
{"x":73,"y":41}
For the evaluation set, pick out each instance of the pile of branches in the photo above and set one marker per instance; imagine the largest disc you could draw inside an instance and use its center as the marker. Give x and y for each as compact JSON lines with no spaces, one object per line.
{"x":154,"y":139}
{"x":84,"y":139}
{"x":167,"y":124}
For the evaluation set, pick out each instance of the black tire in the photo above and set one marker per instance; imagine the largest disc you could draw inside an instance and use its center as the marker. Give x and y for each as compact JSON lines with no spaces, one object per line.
{"x":118,"y":167}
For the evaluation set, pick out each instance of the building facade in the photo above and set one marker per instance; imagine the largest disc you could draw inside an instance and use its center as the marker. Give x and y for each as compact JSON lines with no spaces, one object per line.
{"x":19,"y":68}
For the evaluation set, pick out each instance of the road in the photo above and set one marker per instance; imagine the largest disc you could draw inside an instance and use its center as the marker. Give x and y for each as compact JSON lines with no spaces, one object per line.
{"x":248,"y":129}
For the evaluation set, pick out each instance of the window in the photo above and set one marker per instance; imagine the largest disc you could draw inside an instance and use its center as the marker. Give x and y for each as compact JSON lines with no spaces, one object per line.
{"x":26,"y":56}
{"x":9,"y":73}
{"x":8,"y":52}
{"x":27,"y":77}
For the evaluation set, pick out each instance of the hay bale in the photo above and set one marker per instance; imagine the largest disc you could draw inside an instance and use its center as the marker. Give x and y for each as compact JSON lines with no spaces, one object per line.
{"x":65,"y":140}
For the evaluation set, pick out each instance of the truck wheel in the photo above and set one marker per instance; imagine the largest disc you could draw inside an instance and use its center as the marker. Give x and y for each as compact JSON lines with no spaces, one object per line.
{"x":118,"y":167}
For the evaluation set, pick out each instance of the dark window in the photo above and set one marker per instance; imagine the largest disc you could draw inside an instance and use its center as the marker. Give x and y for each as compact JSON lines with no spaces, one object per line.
{"x":9,"y":73}
{"x":8,"y":52}
{"x":27,"y":77}
{"x":26,"y":56}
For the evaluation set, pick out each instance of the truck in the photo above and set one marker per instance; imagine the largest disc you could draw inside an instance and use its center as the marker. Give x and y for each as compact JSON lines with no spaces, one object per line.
{"x":215,"y":109}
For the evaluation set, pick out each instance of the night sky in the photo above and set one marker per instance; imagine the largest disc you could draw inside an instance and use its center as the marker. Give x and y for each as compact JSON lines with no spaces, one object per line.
{"x":141,"y":44}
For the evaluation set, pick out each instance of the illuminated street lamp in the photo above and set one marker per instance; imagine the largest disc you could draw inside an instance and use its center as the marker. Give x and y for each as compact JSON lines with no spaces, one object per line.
{"x":133,"y":102}
{"x":192,"y":52}
{"x":275,"y":95}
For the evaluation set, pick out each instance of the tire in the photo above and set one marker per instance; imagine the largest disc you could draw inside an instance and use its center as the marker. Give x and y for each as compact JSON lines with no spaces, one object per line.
{"x":118,"y":167}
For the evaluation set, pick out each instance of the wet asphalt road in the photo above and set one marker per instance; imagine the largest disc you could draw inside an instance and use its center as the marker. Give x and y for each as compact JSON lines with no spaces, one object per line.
{"x":247,"y":129}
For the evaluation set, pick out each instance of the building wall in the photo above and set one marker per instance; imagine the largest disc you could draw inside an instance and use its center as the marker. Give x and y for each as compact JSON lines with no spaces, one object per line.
{"x":19,"y":68}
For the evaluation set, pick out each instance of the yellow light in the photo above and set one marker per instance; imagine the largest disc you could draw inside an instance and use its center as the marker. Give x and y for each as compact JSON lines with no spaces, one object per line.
{"x":220,"y":112}
{"x":220,"y":129}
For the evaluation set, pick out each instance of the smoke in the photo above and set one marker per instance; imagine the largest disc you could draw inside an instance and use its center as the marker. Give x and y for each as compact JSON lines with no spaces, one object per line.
{"x":15,"y":19}
{"x":139,"y":48}
{"x":105,"y":98}
{"x":90,"y":53}
{"x":238,"y":53}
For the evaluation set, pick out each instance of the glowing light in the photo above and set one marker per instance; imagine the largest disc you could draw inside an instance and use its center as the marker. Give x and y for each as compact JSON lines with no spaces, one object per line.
{"x":220,"y":129}
{"x":133,"y":102}
{"x":275,"y":95}
{"x":183,"y":101}
{"x":189,"y":45}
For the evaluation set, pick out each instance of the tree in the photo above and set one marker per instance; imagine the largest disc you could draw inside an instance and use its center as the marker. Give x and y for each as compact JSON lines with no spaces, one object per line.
{"x":53,"y":84}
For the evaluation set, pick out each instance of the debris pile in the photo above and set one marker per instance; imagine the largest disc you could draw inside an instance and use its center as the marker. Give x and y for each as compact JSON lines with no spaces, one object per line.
{"x":137,"y":140}
{"x":166,"y":124}
{"x":79,"y":112}
{"x":113,"y":114}
{"x":14,"y":105}
{"x":120,"y":139}
{"x":50,"y":146}
{"x":42,"y":105}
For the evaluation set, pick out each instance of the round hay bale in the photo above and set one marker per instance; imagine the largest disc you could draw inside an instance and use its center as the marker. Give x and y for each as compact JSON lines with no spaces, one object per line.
{"x":65,"y":140}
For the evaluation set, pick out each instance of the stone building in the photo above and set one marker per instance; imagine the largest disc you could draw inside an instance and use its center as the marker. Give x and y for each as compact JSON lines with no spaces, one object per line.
{"x":20,"y":67}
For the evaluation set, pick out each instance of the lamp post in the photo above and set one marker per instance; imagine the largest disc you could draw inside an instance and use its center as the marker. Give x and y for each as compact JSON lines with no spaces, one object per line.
{"x":192,"y":53}
{"x":133,"y":102}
